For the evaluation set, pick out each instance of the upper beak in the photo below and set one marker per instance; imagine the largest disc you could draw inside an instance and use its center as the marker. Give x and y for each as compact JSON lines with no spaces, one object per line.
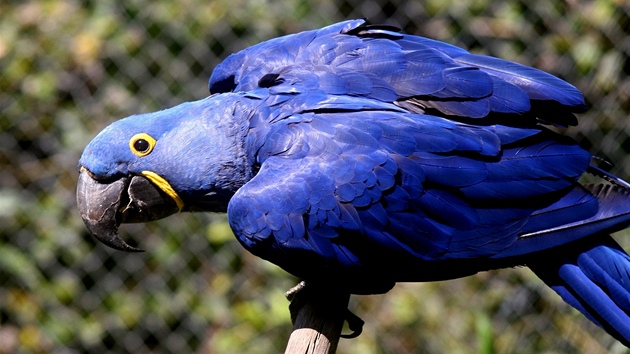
{"x":104,"y":205}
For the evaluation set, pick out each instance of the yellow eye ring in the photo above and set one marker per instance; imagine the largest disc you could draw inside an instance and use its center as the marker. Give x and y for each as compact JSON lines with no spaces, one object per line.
{"x":141,"y":144}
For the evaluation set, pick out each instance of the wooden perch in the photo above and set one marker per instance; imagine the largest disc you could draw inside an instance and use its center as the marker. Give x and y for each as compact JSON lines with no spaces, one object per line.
{"x":318,"y":314}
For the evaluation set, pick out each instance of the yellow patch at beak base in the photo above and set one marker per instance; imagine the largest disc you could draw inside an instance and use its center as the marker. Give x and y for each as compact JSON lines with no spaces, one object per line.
{"x":164,"y":186}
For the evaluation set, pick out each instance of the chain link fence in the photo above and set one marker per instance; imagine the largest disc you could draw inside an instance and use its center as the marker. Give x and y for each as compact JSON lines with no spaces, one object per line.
{"x":69,"y":68}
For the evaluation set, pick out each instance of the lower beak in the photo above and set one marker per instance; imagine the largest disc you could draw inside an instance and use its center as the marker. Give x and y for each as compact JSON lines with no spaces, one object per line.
{"x":104,"y":205}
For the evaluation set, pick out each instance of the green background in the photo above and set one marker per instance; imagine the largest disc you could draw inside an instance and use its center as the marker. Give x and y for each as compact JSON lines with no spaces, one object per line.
{"x":69,"y":68}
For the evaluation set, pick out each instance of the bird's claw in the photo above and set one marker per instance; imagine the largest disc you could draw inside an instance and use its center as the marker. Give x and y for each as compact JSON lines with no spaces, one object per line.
{"x":355,"y":323}
{"x":290,"y":294}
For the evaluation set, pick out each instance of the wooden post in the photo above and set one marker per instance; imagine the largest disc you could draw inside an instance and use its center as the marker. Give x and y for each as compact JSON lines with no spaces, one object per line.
{"x":318,"y":314}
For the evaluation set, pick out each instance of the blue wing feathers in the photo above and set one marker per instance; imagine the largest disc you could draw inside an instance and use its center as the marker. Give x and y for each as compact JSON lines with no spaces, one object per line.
{"x":374,"y":63}
{"x":390,"y":154}
{"x":538,"y":84}
{"x":471,"y":109}
{"x":540,"y":160}
{"x":465,"y":82}
{"x":446,"y":208}
{"x":372,"y":153}
{"x":508,"y":135}
{"x":578,"y":204}
{"x":453,"y":171}
{"x":446,"y":49}
{"x":508,"y":98}
{"x":362,"y":180}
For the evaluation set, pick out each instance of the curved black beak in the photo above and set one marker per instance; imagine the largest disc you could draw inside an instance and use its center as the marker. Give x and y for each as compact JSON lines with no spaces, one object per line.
{"x":104,"y":205}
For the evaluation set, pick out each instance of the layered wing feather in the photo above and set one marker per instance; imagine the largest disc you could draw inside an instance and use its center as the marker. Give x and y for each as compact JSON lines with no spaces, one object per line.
{"x":357,"y":185}
{"x":370,"y":175}
{"x":419,"y":74}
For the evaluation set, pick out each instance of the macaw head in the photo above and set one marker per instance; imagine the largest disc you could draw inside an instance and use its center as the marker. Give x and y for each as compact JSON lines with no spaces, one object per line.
{"x":146,"y":167}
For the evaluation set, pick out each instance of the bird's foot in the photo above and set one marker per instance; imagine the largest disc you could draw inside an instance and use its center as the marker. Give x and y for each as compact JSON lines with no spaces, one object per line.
{"x":297,"y":295}
{"x":290,"y":294}
{"x":355,"y":323}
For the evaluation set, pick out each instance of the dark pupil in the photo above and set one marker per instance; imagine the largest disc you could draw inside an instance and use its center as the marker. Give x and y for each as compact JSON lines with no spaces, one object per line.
{"x":141,"y":145}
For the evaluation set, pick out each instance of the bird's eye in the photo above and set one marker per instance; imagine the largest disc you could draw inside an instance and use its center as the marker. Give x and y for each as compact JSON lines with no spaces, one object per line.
{"x":141,"y":144}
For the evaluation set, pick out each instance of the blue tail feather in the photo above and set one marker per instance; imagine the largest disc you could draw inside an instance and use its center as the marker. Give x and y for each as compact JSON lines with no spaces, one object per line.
{"x":595,"y":279}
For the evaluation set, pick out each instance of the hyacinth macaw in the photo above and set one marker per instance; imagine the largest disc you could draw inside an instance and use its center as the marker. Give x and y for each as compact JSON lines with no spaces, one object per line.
{"x":361,"y":156}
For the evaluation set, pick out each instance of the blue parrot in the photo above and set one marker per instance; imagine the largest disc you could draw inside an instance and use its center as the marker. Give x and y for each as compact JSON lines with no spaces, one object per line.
{"x":360,"y":156}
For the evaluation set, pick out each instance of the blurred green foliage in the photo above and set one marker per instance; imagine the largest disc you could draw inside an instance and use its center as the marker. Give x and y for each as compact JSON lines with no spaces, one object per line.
{"x":70,"y":67}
